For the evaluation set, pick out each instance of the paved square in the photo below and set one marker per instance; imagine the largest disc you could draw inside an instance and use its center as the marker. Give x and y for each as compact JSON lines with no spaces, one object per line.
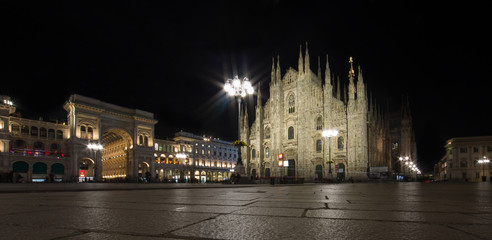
{"x":213,"y":211}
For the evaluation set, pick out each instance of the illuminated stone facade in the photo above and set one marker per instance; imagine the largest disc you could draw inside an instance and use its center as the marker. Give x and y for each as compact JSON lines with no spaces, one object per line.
{"x":461,"y":161}
{"x":104,"y":142}
{"x":301,"y":106}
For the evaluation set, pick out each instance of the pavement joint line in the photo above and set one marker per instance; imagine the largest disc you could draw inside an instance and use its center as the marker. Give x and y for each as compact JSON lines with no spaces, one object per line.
{"x":463,"y":231}
{"x":191,"y":224}
{"x":398,"y":221}
{"x":304,"y":213}
{"x":75,"y":233}
{"x":153,"y":210}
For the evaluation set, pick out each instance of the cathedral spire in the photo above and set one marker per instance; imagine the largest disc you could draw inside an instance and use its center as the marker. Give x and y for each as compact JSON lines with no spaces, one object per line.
{"x":345,"y":94}
{"x":351,"y":71}
{"x":258,"y":99}
{"x":319,"y":69}
{"x":307,"y":67}
{"x":351,"y":87}
{"x":327,"y":72}
{"x":274,"y":74}
{"x":360,"y":85}
{"x":338,"y":88}
{"x":301,"y":64}
{"x":279,"y":72}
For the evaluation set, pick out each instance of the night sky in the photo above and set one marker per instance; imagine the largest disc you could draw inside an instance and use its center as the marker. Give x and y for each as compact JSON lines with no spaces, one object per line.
{"x":172,"y":58}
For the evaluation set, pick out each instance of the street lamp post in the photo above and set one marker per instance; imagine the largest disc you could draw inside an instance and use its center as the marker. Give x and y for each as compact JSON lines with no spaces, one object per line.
{"x":483,"y":161}
{"x":328,"y":134}
{"x":238,"y":88}
{"x":405,"y":161}
{"x":95,"y":147}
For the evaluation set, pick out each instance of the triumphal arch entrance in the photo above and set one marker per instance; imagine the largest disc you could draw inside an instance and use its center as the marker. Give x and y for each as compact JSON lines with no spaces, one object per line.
{"x":109,"y":142}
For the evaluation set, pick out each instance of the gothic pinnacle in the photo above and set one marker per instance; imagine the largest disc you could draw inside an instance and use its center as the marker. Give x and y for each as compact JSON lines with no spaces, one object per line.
{"x":279,"y":72}
{"x":327,"y":72}
{"x":301,"y":62}
{"x":307,"y":67}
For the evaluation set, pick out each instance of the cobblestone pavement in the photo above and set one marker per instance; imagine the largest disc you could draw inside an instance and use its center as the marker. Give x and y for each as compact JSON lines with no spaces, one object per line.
{"x":214,"y":211}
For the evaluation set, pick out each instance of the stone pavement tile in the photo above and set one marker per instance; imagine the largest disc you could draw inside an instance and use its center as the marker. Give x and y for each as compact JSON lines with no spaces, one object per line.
{"x":398,"y":216}
{"x":111,"y":236}
{"x":262,"y":227}
{"x":288,"y":204}
{"x":202,"y":201}
{"x":9,"y":208}
{"x":482,"y":231}
{"x":140,"y":206}
{"x":287,"y":212}
{"x":16,"y":232}
{"x":205,"y":209}
{"x":126,"y":221}
{"x":423,"y":207}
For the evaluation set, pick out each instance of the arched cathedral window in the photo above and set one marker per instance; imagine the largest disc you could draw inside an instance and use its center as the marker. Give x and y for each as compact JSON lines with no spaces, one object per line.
{"x":319,"y":123}
{"x":290,"y":132}
{"x":292,"y":104}
{"x":341,"y":142}
{"x":319,"y":146}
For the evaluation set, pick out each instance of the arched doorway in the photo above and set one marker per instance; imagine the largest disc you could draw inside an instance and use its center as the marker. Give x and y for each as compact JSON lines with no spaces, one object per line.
{"x":253,"y":173}
{"x":177,"y":176}
{"x":39,"y":172}
{"x":57,"y":170}
{"x":143,"y":168}
{"x":86,"y":170}
{"x":318,"y":173}
{"x":20,"y":170}
{"x":203,"y":177}
{"x":291,"y":169}
{"x":160,"y":174}
{"x":116,"y":154}
{"x":187,"y":175}
{"x":341,"y":171}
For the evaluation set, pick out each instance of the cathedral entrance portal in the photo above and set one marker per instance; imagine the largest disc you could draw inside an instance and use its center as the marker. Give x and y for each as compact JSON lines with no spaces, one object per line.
{"x":319,"y":173}
{"x":291,"y":169}
{"x":116,"y":154}
{"x":340,"y":171}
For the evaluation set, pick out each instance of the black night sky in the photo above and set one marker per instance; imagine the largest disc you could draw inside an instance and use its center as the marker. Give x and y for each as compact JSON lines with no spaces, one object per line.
{"x":172,"y":57}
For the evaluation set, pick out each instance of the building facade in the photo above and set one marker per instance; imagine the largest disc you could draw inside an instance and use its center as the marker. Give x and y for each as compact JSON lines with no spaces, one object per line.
{"x":104,"y":142}
{"x":301,"y":105}
{"x":461,"y":160}
{"x":192,"y":158}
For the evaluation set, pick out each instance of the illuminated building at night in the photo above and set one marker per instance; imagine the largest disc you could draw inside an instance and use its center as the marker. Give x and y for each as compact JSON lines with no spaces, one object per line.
{"x":301,"y":106}
{"x":102,"y":141}
{"x":466,"y":159}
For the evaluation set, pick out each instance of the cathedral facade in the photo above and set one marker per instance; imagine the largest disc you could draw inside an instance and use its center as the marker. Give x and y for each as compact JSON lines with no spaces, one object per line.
{"x":288,"y":128}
